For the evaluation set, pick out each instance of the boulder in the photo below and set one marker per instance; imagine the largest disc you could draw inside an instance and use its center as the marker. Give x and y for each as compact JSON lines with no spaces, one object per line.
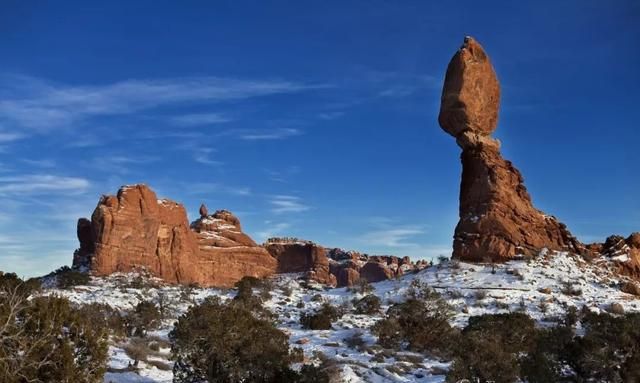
{"x":497,"y":219}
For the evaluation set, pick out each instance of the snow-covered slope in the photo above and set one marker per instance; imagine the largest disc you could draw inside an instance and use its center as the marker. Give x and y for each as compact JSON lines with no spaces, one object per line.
{"x":543,"y":287}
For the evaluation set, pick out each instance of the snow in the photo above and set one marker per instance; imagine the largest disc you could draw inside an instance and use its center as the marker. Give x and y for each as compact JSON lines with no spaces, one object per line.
{"x":538,"y":286}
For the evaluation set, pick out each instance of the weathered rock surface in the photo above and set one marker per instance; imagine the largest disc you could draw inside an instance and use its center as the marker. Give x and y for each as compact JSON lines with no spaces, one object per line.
{"x":136,"y":230}
{"x":621,"y":254}
{"x":497,"y":218}
{"x":301,"y":257}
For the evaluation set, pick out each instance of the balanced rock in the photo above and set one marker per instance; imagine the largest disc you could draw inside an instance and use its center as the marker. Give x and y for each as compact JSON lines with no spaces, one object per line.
{"x":203,"y":211}
{"x":497,"y":219}
{"x":136,"y":230}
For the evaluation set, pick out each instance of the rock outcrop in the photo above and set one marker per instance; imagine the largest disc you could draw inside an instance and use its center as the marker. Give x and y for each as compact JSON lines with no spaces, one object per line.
{"x":295,"y":256}
{"x":621,"y":254}
{"x":497,"y":219}
{"x":336,"y":267}
{"x":134,"y":229}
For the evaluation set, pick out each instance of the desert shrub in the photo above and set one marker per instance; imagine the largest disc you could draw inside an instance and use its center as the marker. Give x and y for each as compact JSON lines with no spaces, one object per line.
{"x":422,"y":322}
{"x":484,"y":360}
{"x":144,"y":317}
{"x":321,"y":319}
{"x":489,"y":347}
{"x":355,"y":341}
{"x":368,"y":305}
{"x":568,"y":288}
{"x":227,"y":343}
{"x":45,"y":339}
{"x":609,"y":348}
{"x":245,"y":293}
{"x":480,"y":294}
{"x":10,"y":282}
{"x":67,"y":278}
{"x":104,"y":316}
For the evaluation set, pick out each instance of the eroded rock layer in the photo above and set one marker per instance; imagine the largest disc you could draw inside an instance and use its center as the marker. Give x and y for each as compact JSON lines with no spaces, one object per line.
{"x":497,"y":218}
{"x":135,"y":230}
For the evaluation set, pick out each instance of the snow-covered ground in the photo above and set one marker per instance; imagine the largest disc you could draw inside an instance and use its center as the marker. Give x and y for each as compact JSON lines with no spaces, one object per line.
{"x":543,"y":287}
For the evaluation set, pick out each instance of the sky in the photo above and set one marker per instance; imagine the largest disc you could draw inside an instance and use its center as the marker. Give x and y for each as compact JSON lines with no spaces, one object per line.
{"x":310,"y":119}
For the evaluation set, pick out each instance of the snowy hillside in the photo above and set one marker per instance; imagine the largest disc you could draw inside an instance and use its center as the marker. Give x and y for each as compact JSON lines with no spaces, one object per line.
{"x":544,"y":288}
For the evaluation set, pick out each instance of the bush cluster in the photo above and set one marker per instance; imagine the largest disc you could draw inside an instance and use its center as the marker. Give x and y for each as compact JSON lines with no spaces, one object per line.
{"x":421,"y":323}
{"x":321,"y":319}
{"x":509,"y":347}
{"x":227,"y":343}
{"x":368,"y":305}
{"x":67,"y":277}
{"x":46,"y":339}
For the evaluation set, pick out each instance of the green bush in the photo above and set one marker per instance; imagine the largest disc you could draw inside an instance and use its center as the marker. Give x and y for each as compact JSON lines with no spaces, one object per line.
{"x":321,"y":319}
{"x":67,"y":278}
{"x":422,"y":322}
{"x":144,"y":317}
{"x":227,"y":343}
{"x":368,"y":305}
{"x":45,"y":339}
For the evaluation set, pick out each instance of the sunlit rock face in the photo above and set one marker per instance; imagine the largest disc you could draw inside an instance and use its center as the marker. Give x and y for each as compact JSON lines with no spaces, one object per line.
{"x":135,"y":230}
{"x":497,"y":219}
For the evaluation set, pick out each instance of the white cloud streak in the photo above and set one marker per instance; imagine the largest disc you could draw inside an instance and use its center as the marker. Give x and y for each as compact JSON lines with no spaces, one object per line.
{"x":287,"y":204}
{"x":42,"y":106}
{"x":42,"y":184}
{"x":200,"y":119}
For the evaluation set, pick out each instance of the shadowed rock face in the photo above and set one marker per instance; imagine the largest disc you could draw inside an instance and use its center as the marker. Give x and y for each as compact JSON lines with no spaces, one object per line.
{"x":136,"y":230}
{"x":497,"y":219}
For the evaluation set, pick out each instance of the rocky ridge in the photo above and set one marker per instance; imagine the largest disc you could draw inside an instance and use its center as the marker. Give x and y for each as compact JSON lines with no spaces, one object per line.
{"x":334,"y":266}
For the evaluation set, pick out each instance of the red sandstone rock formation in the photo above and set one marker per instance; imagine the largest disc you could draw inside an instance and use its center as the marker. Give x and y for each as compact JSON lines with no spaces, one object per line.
{"x":497,"y":219}
{"x":335,"y":266}
{"x":623,"y":255}
{"x":301,"y":257}
{"x":136,"y":230}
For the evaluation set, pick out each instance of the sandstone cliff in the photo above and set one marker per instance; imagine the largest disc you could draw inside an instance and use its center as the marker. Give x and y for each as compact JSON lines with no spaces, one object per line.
{"x":134,"y":230}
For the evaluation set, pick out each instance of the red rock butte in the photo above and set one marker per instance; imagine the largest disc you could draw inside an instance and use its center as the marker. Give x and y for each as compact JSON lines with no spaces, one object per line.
{"x":134,"y":229}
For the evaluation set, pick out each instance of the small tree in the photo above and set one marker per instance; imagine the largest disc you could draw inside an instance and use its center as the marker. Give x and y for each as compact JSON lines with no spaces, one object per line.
{"x":321,"y":319}
{"x":144,"y":317}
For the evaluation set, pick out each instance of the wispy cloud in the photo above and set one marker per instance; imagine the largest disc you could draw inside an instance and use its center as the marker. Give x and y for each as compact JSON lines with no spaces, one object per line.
{"x":203,"y":156}
{"x":268,"y":134}
{"x":199,"y":119}
{"x":204,"y":189}
{"x":287,"y":204}
{"x":9,"y":137}
{"x":42,"y":105}
{"x":42,"y":184}
{"x":399,"y":236}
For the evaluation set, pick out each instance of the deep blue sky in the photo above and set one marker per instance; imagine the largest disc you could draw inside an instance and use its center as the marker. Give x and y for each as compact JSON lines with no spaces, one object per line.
{"x":309,"y":119}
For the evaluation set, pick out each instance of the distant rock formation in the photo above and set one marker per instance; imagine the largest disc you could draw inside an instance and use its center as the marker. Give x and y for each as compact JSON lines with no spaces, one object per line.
{"x":295,"y":256}
{"x":135,"y":230}
{"x":497,"y":219}
{"x":335,"y":267}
